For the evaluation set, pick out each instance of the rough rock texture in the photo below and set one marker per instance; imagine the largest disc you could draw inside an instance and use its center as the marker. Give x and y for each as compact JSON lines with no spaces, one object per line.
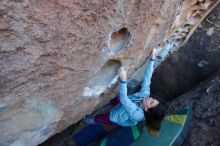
{"x":51,"y":52}
{"x":190,"y":16}
{"x":195,"y":61}
{"x":204,"y":101}
{"x":192,"y":63}
{"x":59,"y":58}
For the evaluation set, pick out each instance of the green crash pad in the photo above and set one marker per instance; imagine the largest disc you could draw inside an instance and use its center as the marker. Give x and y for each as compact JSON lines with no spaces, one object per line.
{"x":173,"y":131}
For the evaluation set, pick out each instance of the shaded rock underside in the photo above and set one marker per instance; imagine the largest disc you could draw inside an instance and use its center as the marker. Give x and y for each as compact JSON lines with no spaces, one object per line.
{"x":53,"y":52}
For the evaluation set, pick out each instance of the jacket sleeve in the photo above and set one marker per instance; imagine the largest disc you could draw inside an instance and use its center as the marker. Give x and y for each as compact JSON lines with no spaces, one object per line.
{"x":130,"y":106}
{"x":145,"y":86}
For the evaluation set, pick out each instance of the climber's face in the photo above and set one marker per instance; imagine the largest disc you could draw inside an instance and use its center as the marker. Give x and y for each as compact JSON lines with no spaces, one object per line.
{"x":149,"y":102}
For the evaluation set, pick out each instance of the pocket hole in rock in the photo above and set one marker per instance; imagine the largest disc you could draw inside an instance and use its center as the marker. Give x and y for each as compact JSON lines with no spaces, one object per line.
{"x":103,"y":79}
{"x":119,"y":40}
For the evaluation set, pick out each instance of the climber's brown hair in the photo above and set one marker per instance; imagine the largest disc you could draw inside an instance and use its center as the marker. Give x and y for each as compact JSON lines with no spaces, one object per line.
{"x":154,"y":117}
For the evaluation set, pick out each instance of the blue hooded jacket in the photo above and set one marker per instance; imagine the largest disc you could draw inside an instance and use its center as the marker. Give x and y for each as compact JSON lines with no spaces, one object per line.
{"x":129,"y":112}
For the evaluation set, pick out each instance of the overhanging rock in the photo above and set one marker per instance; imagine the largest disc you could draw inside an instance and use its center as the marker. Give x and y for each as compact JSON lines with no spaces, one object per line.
{"x":50,"y":51}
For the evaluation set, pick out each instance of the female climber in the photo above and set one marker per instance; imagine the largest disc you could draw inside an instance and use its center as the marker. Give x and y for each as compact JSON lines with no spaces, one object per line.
{"x":129,"y":110}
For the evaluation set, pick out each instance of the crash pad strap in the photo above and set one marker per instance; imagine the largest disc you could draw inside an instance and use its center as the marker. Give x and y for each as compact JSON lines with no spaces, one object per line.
{"x":103,"y":143}
{"x":179,"y":119}
{"x":135,"y":131}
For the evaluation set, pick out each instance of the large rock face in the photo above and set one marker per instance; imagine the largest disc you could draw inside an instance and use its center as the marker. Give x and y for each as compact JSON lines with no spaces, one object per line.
{"x":58,"y":56}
